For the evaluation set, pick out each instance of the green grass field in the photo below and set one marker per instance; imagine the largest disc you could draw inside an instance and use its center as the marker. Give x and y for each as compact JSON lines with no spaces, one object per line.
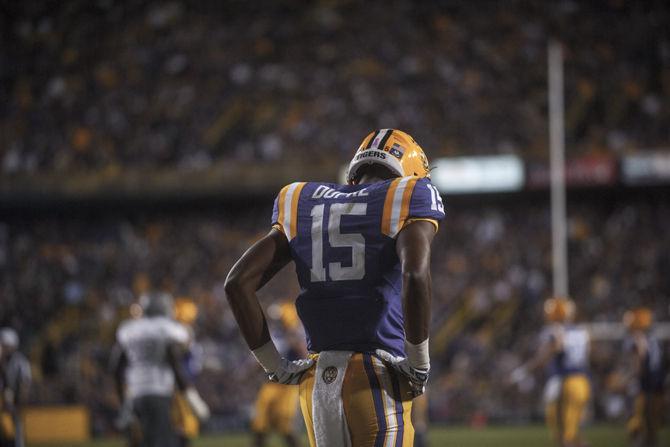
{"x":601,"y":436}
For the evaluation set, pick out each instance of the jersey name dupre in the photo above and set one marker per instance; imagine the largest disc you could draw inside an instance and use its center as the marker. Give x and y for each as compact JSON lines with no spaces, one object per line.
{"x":342,"y":239}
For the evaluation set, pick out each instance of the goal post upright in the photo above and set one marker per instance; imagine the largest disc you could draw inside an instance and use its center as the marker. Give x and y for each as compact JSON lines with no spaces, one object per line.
{"x":557,"y":169}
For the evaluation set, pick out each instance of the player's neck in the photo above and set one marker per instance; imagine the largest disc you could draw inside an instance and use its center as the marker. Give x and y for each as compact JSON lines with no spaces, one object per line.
{"x":372,"y":178}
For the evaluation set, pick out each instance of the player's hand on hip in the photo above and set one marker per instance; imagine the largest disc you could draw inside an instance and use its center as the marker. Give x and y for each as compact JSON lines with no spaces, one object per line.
{"x":417,"y":377}
{"x":290,"y":372}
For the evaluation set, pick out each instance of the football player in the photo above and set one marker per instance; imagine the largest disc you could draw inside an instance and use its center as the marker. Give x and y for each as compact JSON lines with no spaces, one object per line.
{"x":647,"y":376}
{"x":276,"y":404}
{"x":420,"y":420}
{"x":564,"y":350}
{"x":147,"y":367}
{"x":15,"y":378}
{"x":362,"y":258}
{"x":185,"y":421}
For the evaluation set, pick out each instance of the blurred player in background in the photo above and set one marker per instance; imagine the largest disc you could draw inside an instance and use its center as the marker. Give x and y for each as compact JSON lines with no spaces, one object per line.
{"x":362,"y":257}
{"x":647,"y":375}
{"x":276,"y":404}
{"x":15,"y":378}
{"x":186,"y":422}
{"x":564,"y":350}
{"x":420,"y":420}
{"x":147,"y":367}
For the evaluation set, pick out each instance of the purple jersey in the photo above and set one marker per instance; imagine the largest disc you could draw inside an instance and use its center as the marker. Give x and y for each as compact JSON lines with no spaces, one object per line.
{"x":342,"y":239}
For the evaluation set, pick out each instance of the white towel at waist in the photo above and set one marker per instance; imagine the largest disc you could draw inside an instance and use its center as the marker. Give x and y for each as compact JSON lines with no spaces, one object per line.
{"x":330,"y":423}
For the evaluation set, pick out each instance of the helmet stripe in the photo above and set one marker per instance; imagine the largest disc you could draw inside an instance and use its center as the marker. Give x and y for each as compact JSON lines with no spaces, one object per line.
{"x":384,"y":139}
{"x":379,"y":137}
{"x":369,"y":145}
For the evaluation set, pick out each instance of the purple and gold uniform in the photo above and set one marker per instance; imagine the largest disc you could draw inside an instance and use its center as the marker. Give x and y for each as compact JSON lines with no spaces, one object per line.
{"x":647,"y":417}
{"x":342,"y":239}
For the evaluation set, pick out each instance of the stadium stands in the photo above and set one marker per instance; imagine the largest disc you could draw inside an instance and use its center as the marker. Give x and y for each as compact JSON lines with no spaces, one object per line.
{"x":68,"y":281}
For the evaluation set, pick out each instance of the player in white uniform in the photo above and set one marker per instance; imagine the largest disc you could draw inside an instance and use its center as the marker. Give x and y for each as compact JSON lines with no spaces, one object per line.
{"x":15,"y":378}
{"x":564,"y":351}
{"x":149,"y":366}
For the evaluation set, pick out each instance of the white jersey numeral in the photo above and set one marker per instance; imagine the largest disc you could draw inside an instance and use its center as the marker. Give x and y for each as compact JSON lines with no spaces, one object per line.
{"x":355,"y":241}
{"x":435,"y":199}
{"x":318,"y":271}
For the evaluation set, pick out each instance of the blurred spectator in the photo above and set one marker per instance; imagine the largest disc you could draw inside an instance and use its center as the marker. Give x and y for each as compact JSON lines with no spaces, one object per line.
{"x":491,"y":274}
{"x":142,"y":84}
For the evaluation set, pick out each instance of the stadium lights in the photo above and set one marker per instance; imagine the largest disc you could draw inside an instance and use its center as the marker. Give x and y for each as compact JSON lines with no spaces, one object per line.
{"x":463,"y":175}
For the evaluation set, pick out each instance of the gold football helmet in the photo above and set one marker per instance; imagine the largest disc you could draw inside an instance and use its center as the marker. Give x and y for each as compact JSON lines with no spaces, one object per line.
{"x":185,"y":310}
{"x":392,"y":148}
{"x":559,"y":309}
{"x":638,"y":319}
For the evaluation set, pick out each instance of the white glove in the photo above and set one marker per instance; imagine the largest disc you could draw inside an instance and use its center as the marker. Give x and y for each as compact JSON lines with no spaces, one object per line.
{"x":290,"y":372}
{"x":518,"y":375}
{"x":278,"y":368}
{"x":125,"y":416}
{"x":417,"y":377}
{"x":199,"y":407}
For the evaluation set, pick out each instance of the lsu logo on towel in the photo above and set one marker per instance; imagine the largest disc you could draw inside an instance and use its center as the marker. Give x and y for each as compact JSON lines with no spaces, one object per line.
{"x":329,"y":375}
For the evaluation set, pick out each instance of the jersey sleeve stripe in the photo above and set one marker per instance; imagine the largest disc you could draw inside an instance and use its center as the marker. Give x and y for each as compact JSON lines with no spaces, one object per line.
{"x":294,"y":208}
{"x":280,"y":207}
{"x":406,"y":198}
{"x":388,"y":204}
{"x":397,"y":206}
{"x":287,"y":207}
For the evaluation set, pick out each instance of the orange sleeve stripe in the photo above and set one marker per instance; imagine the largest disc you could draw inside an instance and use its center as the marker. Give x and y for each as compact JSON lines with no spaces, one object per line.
{"x":280,"y":205}
{"x":406,"y":199}
{"x":388,"y":207}
{"x":295,"y":198}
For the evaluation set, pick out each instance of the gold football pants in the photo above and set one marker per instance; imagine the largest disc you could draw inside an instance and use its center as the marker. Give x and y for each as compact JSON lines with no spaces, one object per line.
{"x":275,"y":409}
{"x":376,"y":401}
{"x":564,"y":415}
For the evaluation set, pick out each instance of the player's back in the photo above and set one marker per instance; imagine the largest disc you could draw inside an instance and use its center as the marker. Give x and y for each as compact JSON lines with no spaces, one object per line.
{"x":145,"y":342}
{"x":342,"y":239}
{"x":576,"y":347}
{"x":652,"y":371}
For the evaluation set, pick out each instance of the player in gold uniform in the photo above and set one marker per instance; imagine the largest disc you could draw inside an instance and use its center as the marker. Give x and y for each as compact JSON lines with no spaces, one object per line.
{"x":647,"y":375}
{"x":276,"y":404}
{"x":564,"y":351}
{"x":184,"y":420}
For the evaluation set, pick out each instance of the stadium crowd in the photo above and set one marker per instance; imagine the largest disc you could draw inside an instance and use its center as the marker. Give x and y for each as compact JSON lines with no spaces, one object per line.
{"x":106,"y":86}
{"x":67,"y":283}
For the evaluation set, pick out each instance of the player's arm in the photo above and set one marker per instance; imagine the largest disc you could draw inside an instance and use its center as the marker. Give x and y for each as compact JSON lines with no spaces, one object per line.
{"x":413,"y":249}
{"x":23,"y":385}
{"x":256,"y":267}
{"x":544,"y":355}
{"x":118,"y":363}
{"x":547,"y":350}
{"x":175,"y":354}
